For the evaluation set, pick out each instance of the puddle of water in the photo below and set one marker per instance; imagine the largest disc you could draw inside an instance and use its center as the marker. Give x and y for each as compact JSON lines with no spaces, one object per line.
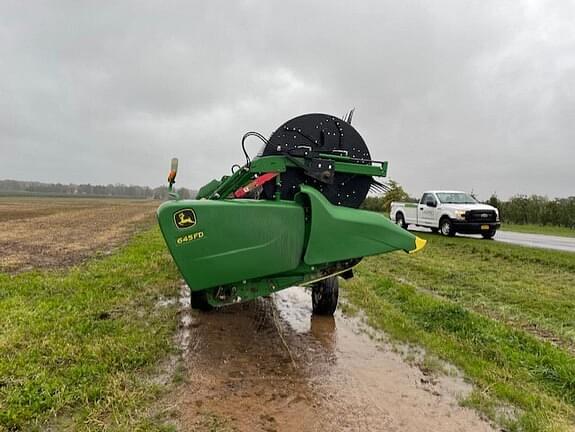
{"x":184,"y":299}
{"x":182,"y":336}
{"x":373,"y":376}
{"x":271,"y":365}
{"x":186,"y":320}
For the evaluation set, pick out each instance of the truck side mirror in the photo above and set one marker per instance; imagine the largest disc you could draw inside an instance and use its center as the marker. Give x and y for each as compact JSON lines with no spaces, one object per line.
{"x":430,"y":203}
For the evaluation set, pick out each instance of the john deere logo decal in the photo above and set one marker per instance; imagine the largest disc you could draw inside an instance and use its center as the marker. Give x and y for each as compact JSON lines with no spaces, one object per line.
{"x":185,"y":218}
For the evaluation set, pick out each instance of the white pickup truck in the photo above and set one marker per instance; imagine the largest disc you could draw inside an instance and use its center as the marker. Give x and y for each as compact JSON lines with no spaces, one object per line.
{"x":448,"y":212}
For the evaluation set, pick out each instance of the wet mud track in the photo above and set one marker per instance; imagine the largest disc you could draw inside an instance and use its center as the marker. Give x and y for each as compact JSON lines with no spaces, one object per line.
{"x":270,"y":365}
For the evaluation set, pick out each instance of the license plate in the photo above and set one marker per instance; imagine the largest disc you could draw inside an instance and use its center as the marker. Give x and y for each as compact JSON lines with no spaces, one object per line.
{"x":484,"y":227}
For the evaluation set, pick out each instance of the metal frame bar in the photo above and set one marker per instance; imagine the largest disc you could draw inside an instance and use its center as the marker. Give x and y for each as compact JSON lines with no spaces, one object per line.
{"x":279,"y":164}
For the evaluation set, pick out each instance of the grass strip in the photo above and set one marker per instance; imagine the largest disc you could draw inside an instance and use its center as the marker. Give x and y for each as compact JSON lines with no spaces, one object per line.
{"x":77,"y":346}
{"x":532,"y":289}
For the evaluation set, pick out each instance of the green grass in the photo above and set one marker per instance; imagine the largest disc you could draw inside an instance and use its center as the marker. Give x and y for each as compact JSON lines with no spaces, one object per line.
{"x":77,"y":347}
{"x":503,"y":314}
{"x":531,"y":288}
{"x":539,"y":229}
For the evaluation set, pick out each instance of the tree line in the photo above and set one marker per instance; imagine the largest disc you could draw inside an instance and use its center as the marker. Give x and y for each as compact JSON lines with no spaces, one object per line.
{"x":519,"y":209}
{"x":536,"y":209}
{"x":17,"y":187}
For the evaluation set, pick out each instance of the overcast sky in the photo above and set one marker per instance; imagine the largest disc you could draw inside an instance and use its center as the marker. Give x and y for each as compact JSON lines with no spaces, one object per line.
{"x":472,"y":95}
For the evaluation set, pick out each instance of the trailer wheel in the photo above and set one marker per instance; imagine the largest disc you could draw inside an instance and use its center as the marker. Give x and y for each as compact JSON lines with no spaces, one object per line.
{"x":324,"y":296}
{"x":446,"y":227}
{"x":200,"y":301}
{"x":400,"y":220}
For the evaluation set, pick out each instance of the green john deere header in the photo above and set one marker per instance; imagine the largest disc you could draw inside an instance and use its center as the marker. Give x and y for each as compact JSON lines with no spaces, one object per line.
{"x":288,"y":217}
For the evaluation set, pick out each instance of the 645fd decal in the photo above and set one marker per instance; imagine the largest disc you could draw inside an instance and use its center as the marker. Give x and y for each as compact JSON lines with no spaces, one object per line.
{"x":185,"y":218}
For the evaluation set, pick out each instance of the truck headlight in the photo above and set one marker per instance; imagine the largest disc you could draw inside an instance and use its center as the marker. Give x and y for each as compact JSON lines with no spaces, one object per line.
{"x":459,"y":214}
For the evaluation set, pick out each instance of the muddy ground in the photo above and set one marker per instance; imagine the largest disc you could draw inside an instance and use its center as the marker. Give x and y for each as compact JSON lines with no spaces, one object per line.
{"x":270,"y":365}
{"x":59,"y":232}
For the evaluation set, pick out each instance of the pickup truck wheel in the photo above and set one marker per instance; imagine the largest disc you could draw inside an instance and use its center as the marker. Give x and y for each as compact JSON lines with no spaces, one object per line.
{"x":488,"y":235}
{"x":446,"y":227}
{"x":400,"y":220}
{"x":324,"y":296}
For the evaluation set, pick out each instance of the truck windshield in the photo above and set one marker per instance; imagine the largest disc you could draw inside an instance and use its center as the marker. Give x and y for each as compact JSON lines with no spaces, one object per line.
{"x":456,"y":198}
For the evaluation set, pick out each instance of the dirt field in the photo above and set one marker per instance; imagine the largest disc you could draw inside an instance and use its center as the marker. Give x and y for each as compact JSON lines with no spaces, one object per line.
{"x":58,"y":232}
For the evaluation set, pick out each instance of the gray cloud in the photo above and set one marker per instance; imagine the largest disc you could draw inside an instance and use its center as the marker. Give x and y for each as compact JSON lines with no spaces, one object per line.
{"x":472,"y":95}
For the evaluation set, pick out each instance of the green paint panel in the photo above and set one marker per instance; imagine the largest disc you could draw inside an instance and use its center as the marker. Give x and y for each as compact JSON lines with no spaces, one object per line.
{"x":233,"y":240}
{"x":360,"y":169}
{"x":208,"y":189}
{"x":269,"y":164}
{"x":339,"y":233}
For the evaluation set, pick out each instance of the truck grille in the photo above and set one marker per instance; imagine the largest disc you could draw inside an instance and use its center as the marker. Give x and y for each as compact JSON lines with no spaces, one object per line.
{"x":480,"y":216}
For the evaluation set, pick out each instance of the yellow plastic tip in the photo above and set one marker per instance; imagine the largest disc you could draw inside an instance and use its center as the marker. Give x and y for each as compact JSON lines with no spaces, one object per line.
{"x":419,"y":244}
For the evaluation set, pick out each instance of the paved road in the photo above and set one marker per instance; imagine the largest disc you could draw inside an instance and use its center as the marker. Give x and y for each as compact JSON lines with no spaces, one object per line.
{"x":532,"y":240}
{"x":537,"y":240}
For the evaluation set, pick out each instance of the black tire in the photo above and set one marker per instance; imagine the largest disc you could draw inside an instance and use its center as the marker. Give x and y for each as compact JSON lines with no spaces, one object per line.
{"x":200,"y":301}
{"x":446,"y":227}
{"x":324,"y":296}
{"x":488,"y":235}
{"x":400,"y":220}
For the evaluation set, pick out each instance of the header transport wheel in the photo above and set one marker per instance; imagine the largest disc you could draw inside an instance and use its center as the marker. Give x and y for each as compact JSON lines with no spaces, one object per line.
{"x":200,"y":302}
{"x":324,"y":296}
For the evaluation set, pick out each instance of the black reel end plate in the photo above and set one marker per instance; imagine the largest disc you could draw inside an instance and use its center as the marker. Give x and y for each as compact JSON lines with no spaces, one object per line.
{"x":320,"y":133}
